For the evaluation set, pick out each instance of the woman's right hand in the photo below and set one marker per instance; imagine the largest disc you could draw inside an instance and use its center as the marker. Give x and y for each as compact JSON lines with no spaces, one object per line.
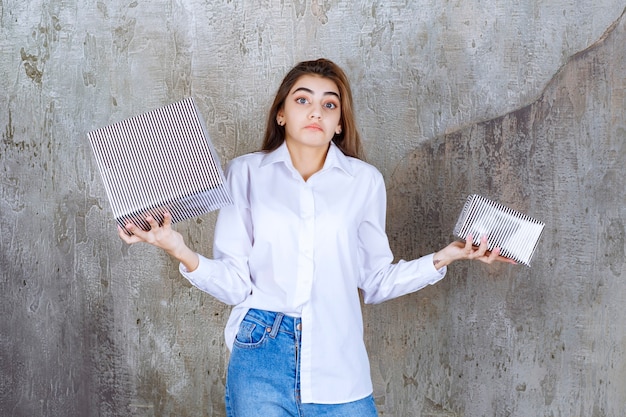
{"x":163,"y":237}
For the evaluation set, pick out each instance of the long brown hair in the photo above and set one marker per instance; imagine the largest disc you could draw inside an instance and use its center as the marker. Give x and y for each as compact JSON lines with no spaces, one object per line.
{"x":349,"y":140}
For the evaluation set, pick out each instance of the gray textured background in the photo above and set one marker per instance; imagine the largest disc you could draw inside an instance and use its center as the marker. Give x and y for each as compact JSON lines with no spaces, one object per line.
{"x":523,"y":102}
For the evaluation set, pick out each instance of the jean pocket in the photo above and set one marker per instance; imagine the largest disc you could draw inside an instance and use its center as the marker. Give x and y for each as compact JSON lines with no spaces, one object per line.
{"x":250,"y":335}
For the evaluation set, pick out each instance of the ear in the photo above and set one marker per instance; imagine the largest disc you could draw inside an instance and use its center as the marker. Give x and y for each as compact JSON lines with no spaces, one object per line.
{"x":280,"y":117}
{"x":338,"y":130}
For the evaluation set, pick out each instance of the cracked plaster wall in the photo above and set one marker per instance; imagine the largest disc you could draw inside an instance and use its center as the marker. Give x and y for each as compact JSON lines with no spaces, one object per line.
{"x":522,"y":102}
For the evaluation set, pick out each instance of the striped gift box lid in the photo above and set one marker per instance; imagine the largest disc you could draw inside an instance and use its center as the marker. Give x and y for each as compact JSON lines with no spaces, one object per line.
{"x":159,"y":161}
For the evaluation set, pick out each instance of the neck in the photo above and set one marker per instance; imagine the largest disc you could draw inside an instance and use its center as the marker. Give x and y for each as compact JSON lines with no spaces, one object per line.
{"x":307,"y":160}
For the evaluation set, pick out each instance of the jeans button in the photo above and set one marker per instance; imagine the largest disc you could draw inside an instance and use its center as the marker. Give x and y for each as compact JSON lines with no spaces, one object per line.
{"x":299,"y":327}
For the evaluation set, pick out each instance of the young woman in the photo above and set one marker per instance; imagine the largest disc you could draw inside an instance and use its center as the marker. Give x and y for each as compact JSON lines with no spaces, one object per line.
{"x":306,"y":232}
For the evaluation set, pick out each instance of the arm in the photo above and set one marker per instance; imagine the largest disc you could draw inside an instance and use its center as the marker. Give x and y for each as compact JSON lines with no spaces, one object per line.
{"x":380,"y":278}
{"x":383,"y":280}
{"x":226,"y":277}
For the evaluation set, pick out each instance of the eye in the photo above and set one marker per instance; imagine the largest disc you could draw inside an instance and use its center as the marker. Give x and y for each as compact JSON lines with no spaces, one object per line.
{"x":302,"y":100}
{"x":330,"y":105}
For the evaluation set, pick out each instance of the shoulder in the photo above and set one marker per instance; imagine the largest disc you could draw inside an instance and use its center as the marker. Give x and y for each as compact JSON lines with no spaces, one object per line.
{"x":245,"y":162}
{"x":364,"y":170}
{"x":352,"y":166}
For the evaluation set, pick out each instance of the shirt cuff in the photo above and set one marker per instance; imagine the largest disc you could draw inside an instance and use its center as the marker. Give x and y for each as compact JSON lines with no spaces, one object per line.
{"x":438,"y":273}
{"x":199,"y":275}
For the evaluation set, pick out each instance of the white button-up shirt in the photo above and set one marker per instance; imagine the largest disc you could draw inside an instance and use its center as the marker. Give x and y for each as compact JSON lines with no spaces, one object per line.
{"x":304,"y":248}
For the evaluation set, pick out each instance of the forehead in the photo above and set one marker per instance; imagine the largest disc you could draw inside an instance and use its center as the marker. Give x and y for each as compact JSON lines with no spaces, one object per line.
{"x":317,"y":84}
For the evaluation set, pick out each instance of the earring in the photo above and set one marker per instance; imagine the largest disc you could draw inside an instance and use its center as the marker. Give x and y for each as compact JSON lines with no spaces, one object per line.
{"x":280,"y":122}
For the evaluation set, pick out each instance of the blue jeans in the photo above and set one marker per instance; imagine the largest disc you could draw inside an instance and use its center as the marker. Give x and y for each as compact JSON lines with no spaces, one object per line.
{"x":263,"y":373}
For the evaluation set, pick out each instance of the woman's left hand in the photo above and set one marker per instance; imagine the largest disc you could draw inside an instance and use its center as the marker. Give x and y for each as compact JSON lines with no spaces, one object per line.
{"x":457,"y":251}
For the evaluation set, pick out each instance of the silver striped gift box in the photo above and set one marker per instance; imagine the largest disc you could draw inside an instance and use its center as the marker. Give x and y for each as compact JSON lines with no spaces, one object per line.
{"x":162,"y":160}
{"x":515,"y":233}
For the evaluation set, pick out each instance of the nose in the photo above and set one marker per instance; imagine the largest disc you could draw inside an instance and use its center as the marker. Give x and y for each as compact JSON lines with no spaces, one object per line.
{"x":316,"y":112}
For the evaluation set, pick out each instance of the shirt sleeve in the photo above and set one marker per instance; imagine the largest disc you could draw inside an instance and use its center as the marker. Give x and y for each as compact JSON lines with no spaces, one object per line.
{"x":227,"y":276}
{"x":381,"y":279}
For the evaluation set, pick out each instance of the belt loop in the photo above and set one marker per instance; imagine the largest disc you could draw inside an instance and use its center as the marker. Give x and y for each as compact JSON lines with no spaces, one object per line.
{"x":277,"y":321}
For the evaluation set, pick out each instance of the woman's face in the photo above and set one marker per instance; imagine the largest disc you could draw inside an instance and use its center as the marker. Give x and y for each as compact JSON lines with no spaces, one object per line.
{"x":311,"y":113}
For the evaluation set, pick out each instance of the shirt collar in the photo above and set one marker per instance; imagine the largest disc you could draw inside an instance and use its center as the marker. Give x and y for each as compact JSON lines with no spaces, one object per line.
{"x":334,"y":159}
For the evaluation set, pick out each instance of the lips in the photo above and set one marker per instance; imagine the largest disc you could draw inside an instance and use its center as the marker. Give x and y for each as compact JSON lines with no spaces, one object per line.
{"x":314,"y":126}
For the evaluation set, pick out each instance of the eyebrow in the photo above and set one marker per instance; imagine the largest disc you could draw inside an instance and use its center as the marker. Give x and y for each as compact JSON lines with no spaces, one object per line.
{"x":308,"y":90}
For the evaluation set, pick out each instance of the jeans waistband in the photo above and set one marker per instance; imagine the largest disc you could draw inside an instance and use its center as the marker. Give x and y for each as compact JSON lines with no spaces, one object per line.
{"x":274,"y":320}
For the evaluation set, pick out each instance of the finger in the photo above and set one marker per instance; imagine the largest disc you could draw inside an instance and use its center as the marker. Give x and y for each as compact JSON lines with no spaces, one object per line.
{"x":138,"y":234}
{"x":152,"y":222}
{"x":507,"y":260}
{"x":167,"y":219}
{"x":484,"y":244}
{"x":469,"y":241}
{"x":122,"y":234}
{"x":482,"y":248}
{"x":129,"y":239}
{"x":494,"y":255}
{"x":500,"y":258}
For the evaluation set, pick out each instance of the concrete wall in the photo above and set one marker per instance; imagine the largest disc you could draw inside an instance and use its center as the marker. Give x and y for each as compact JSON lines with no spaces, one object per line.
{"x":520,"y":101}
